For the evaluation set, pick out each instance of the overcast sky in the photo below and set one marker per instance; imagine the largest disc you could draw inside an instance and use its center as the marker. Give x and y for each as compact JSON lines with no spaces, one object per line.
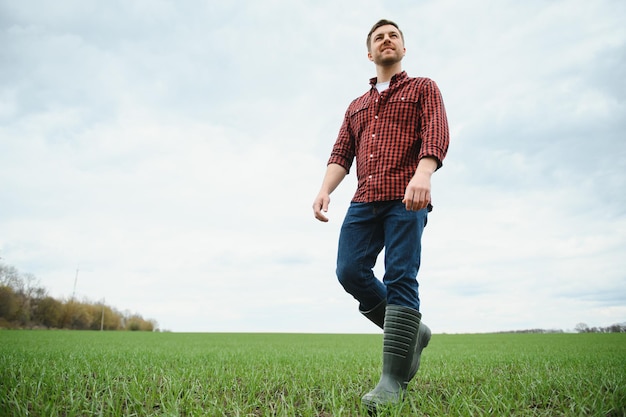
{"x":170,"y":152}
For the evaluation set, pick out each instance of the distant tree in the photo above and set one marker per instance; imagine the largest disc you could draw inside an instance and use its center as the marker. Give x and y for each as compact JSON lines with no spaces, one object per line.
{"x":67,"y":312}
{"x":9,"y":276}
{"x":112,"y":319}
{"x":83,"y":317}
{"x":28,"y":292}
{"x":48,"y":312}
{"x":38,"y":294}
{"x":582,"y":328}
{"x":617,"y":328}
{"x":135,"y":322}
{"x":8,"y":303}
{"x":94,"y":311}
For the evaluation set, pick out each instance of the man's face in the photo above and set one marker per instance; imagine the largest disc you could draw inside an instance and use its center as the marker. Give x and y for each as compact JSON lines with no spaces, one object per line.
{"x":386,"y":46}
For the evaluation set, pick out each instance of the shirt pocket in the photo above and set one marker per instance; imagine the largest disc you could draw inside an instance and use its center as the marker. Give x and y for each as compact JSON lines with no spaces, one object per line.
{"x":359,"y":118}
{"x":404,"y":110}
{"x":406,"y":97}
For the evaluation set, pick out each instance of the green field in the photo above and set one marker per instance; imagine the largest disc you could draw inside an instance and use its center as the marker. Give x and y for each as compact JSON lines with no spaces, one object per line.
{"x":71,"y":373}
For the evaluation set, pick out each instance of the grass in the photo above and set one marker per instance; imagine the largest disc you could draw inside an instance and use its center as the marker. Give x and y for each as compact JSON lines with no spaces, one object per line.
{"x":71,"y":373}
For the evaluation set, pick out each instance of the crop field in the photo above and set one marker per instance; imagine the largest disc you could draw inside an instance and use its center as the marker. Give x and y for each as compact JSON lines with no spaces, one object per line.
{"x":72,"y":373}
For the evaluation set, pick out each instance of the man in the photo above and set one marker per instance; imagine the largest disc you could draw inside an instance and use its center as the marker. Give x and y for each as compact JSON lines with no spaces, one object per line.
{"x":398,"y":133}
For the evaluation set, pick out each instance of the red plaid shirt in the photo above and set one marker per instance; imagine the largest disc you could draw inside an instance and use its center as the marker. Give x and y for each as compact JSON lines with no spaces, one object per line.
{"x":389,"y":133}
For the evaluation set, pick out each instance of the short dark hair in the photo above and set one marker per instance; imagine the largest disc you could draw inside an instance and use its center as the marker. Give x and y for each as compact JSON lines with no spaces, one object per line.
{"x":381,"y":22}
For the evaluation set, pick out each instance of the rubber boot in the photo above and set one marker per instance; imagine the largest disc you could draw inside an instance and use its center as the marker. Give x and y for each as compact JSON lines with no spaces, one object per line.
{"x":400,"y":337}
{"x":377,"y":316}
{"x":423,"y":337}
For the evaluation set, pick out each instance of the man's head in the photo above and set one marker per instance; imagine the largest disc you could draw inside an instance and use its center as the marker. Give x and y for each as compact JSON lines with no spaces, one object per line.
{"x":382,"y":22}
{"x":385,"y":44}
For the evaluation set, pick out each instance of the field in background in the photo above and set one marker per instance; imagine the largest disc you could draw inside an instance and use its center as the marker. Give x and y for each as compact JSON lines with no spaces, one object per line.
{"x":71,"y":373}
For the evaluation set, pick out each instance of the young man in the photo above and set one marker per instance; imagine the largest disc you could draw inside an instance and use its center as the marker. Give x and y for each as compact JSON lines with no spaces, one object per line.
{"x":398,"y":133}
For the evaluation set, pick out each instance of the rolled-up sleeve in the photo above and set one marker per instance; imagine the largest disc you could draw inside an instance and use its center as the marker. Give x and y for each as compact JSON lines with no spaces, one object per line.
{"x":434,"y":132}
{"x":344,"y":149}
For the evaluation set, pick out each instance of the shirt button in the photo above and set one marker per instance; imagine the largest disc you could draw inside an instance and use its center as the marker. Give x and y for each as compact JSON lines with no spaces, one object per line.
{"x":370,"y":176}
{"x":375,"y":117}
{"x":371,"y":155}
{"x":373,"y":135}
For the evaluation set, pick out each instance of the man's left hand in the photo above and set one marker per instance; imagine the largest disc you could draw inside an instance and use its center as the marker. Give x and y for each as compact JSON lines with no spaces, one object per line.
{"x":417,"y":194}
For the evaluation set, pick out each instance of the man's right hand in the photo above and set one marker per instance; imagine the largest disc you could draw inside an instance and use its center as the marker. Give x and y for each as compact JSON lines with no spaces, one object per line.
{"x":320,"y":206}
{"x":334,"y":175}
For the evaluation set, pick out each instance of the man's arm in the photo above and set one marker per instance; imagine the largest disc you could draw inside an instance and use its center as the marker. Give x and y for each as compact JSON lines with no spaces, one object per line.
{"x":335,"y":173}
{"x":435,"y":137}
{"x":417,"y":193}
{"x":434,"y":132}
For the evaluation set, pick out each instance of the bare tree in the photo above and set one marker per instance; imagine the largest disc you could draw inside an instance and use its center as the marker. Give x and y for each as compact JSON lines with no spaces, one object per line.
{"x":582,"y":328}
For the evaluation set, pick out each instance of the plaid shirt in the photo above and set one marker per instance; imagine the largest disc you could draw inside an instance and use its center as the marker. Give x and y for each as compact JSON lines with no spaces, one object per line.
{"x":389,"y":133}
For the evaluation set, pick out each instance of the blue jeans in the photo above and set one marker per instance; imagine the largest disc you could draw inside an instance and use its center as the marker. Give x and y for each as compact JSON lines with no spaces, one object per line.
{"x":366,"y":230}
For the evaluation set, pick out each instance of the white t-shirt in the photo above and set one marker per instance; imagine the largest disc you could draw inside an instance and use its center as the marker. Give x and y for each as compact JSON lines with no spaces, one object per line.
{"x":382,"y":86}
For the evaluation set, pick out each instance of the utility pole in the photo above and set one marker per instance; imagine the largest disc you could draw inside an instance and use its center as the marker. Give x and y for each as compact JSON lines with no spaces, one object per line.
{"x":102,"y":319}
{"x":75,"y":281}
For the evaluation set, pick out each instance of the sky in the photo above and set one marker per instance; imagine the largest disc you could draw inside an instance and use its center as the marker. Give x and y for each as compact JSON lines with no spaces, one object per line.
{"x":163,"y":156}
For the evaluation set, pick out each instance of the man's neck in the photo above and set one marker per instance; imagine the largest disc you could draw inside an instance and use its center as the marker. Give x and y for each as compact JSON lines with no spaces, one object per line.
{"x":384,"y":73}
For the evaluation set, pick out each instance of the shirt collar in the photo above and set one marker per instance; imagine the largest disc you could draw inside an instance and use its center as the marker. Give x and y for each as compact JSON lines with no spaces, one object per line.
{"x":396,"y":77}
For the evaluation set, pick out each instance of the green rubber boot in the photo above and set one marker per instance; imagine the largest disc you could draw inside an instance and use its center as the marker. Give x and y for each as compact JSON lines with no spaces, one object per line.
{"x":423,"y":337}
{"x":400,"y":337}
{"x":377,"y":316}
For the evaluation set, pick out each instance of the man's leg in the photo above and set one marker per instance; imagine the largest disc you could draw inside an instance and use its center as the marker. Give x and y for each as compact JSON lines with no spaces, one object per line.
{"x":404,"y":336}
{"x":403,"y":246}
{"x":360,"y":241}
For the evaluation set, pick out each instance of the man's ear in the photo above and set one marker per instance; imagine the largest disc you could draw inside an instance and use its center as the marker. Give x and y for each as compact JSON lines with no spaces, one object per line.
{"x":369,"y":56}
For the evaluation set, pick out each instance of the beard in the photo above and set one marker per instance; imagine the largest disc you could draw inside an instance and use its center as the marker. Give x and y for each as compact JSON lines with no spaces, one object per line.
{"x":387,"y":60}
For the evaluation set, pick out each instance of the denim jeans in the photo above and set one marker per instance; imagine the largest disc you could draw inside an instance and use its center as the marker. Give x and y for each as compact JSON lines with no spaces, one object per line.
{"x":366,"y":230}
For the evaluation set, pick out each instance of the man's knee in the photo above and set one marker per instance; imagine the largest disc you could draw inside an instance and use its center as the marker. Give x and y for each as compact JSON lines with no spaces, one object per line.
{"x":348,"y":275}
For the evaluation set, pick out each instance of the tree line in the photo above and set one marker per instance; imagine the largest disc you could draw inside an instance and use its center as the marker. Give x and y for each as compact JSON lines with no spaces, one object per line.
{"x":613,"y":328}
{"x":580,"y":328}
{"x":26,"y":305}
